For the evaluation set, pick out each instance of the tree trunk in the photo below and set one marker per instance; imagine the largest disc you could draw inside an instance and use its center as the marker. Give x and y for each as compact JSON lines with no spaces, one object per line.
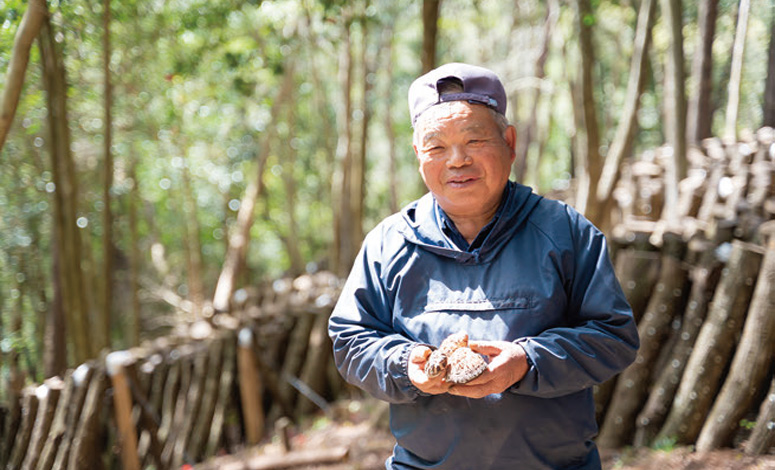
{"x":621,"y":145}
{"x":134,"y":252}
{"x":342,"y":176}
{"x":675,"y":110}
{"x":239,"y":239}
{"x":390,"y":134}
{"x":700,"y":112}
{"x":769,"y":88}
{"x":763,"y":435}
{"x":107,"y":215}
{"x":705,"y":277}
{"x":430,"y":27}
{"x":633,"y":385}
{"x":715,"y":341}
{"x":736,"y":74}
{"x":751,"y":364}
{"x":589,"y":154}
{"x":65,"y":197}
{"x":191,"y":231}
{"x":291,"y":240}
{"x":30,"y":26}
{"x":525,"y":137}
{"x":55,"y":342}
{"x":358,"y":182}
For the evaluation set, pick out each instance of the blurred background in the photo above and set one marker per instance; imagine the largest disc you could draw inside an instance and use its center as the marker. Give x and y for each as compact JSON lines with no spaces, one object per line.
{"x":157,"y":156}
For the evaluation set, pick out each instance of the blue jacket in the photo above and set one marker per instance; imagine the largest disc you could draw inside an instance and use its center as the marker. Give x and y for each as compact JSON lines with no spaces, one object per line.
{"x":542,"y":277}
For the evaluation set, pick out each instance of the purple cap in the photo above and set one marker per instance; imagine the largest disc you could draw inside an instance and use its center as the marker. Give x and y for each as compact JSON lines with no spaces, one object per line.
{"x":480,"y":85}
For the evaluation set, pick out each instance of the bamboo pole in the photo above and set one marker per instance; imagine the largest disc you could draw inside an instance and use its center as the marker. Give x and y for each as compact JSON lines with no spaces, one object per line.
{"x":122,"y":401}
{"x":250,"y":387}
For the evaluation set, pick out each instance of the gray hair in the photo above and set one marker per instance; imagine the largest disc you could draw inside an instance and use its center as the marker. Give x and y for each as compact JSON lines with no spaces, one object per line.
{"x":500,"y":120}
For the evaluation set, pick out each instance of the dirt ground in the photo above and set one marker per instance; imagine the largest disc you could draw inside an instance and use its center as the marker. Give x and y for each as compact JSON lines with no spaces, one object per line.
{"x":361,"y":427}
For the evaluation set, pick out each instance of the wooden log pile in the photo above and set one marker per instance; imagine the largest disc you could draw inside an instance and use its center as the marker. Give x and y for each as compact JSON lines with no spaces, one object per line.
{"x":707,"y":318}
{"x":213,"y":388}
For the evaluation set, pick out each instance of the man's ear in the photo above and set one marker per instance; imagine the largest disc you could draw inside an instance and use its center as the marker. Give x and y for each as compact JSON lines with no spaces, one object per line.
{"x":510,"y":135}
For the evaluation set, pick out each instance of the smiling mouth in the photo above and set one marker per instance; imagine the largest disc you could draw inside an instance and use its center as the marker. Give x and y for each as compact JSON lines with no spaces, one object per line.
{"x":461,"y":180}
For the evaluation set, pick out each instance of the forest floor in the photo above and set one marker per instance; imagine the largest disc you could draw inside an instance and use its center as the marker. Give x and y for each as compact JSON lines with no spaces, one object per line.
{"x":361,"y":427}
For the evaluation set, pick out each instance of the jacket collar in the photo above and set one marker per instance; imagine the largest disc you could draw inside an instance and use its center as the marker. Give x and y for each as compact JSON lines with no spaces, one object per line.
{"x":423,"y":221}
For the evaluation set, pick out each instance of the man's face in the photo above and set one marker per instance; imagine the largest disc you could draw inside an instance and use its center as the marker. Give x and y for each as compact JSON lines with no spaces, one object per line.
{"x":465,"y":159}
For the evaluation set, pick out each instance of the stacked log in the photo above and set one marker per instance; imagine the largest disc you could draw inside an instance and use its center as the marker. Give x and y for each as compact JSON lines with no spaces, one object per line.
{"x":632,"y":387}
{"x":727,"y":205}
{"x":715,"y":342}
{"x":183,"y":399}
{"x":704,"y":278}
{"x":751,"y":363}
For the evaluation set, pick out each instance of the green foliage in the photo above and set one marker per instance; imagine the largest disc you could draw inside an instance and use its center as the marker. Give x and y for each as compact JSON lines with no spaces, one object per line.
{"x":747,"y":424}
{"x":665,"y":444}
{"x":194,"y":84}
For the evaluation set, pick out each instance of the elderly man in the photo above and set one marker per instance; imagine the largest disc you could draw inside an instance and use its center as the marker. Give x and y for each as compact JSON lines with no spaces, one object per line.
{"x":529,"y":280}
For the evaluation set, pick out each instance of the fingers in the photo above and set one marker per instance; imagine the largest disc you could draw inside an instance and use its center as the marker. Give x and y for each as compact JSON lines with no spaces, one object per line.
{"x":472,"y":390}
{"x":417,"y":358}
{"x":487,"y":348}
{"x":419,"y":354}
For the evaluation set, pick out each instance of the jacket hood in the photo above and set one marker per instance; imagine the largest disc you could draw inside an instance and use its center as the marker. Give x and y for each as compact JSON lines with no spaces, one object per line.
{"x":422,"y":225}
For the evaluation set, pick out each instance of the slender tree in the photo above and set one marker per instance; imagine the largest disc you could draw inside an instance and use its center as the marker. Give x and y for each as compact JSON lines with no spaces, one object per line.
{"x":621,"y":145}
{"x":525,"y":137}
{"x":289,"y":153}
{"x":700,"y":110}
{"x":236,"y":252}
{"x":769,"y":89}
{"x":358,"y":188}
{"x":71,"y":275}
{"x":674,"y":108}
{"x":134,"y":250}
{"x":107,"y":213}
{"x":29,"y":28}
{"x":342,"y":248}
{"x":390,"y":133}
{"x":192,"y":232}
{"x":430,"y":23}
{"x":589,"y":157}
{"x":738,"y":50}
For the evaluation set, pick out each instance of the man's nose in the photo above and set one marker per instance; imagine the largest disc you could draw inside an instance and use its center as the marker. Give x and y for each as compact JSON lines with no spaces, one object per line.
{"x":458,"y":157}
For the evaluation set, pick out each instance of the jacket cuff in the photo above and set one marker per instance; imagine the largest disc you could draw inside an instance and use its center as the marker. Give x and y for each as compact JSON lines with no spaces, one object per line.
{"x":530,"y":366}
{"x":401,"y":376}
{"x":403,"y":381}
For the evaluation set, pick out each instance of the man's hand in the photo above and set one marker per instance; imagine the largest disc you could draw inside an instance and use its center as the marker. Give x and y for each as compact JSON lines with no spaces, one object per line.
{"x":508,"y":364}
{"x":417,"y":359}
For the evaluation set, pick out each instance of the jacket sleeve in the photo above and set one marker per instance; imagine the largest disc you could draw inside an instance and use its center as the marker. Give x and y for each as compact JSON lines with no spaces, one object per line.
{"x":367,"y":351}
{"x":600,"y":337}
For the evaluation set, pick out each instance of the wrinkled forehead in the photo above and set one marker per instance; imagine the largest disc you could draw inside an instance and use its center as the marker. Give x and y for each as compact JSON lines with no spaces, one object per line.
{"x":458,"y":114}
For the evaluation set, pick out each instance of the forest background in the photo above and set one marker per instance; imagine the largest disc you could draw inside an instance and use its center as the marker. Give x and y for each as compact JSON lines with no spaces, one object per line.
{"x":157,"y":157}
